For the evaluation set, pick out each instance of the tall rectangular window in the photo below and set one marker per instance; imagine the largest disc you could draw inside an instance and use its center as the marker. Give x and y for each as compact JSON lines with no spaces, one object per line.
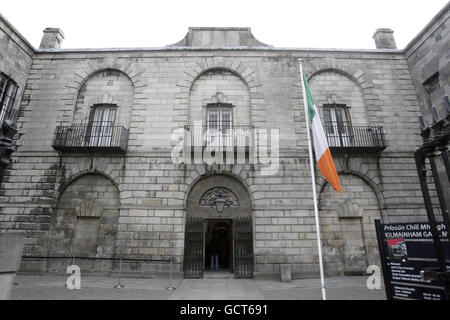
{"x":337,"y":125}
{"x":8,"y":91}
{"x":101,"y":125}
{"x":219,"y":125}
{"x":433,"y":90}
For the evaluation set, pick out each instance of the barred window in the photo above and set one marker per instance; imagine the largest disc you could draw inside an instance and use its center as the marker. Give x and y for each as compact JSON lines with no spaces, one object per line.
{"x":433,"y":90}
{"x":337,"y":124}
{"x":8,"y":91}
{"x":219,"y":125}
{"x":101,"y":124}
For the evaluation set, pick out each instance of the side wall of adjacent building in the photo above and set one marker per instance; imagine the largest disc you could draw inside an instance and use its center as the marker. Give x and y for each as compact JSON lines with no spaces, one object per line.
{"x":429,"y":61}
{"x":16,"y":57}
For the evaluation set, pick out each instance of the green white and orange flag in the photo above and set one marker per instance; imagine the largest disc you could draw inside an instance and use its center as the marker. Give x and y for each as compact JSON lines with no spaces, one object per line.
{"x":322,"y":151}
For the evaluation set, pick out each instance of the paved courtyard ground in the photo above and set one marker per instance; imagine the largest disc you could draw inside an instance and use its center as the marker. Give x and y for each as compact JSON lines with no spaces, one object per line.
{"x":52,"y":287}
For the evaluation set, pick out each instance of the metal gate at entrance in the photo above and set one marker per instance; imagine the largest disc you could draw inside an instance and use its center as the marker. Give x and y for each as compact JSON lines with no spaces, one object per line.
{"x":241,"y":251}
{"x":243,"y":247}
{"x":194,"y":248}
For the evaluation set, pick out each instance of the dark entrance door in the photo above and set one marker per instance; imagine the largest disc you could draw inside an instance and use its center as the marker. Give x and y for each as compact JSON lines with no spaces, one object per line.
{"x":235,"y":246}
{"x":194,"y":247}
{"x":243,"y":247}
{"x":219,"y":241}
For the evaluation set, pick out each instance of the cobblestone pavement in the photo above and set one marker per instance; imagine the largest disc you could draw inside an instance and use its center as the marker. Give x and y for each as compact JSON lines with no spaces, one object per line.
{"x":51,"y":287}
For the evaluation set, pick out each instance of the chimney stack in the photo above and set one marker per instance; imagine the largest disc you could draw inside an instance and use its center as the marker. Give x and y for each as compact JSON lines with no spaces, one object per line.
{"x":52,"y":38}
{"x":384,"y":39}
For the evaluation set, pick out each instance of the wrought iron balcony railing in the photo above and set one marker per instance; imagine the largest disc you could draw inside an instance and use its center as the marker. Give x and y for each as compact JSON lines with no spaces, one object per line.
{"x":343,"y":138}
{"x":231,"y":137}
{"x":89,"y":138}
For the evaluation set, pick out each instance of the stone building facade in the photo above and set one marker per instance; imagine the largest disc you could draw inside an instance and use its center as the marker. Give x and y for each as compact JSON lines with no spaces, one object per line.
{"x":429,"y":61}
{"x":428,"y":58}
{"x":16,"y":57}
{"x":94,"y":174}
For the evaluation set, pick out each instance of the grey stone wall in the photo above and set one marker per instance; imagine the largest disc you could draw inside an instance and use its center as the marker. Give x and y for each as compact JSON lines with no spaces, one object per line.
{"x":11,"y":247}
{"x":429,"y":61}
{"x":90,"y":197}
{"x":427,"y":55}
{"x":162,"y":90}
{"x":223,"y":86}
{"x":16,"y":57}
{"x":347,"y":93}
{"x":105,"y":87}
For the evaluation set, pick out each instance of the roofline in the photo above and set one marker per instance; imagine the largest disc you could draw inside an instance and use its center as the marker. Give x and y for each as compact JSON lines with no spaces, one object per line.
{"x":18,"y":34}
{"x":219,"y":48}
{"x":236,"y":48}
{"x":427,"y":27}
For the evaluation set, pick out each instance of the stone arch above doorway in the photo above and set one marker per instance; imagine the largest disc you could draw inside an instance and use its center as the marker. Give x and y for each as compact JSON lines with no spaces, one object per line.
{"x":202,"y":198}
{"x":210,"y":197}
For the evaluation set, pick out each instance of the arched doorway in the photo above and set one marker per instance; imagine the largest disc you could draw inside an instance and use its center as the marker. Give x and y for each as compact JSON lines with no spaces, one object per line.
{"x":218,"y":223}
{"x":349,"y":241}
{"x":86,"y":222}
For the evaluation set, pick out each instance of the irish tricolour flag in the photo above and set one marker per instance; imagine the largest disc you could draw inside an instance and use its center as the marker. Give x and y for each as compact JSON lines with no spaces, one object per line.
{"x":323,"y":154}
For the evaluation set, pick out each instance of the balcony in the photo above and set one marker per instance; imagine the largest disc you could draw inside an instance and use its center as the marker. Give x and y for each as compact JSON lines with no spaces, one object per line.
{"x":88,"y":138}
{"x":233,"y":138}
{"x":343,"y":138}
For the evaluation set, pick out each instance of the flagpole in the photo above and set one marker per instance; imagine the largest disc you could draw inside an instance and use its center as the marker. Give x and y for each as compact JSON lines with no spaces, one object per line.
{"x":313,"y":181}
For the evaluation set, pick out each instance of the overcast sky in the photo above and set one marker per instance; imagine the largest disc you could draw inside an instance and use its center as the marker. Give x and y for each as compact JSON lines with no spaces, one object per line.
{"x":282,"y":23}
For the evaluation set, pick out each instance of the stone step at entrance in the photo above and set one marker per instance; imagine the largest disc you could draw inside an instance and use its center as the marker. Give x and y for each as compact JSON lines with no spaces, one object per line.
{"x":225,"y":274}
